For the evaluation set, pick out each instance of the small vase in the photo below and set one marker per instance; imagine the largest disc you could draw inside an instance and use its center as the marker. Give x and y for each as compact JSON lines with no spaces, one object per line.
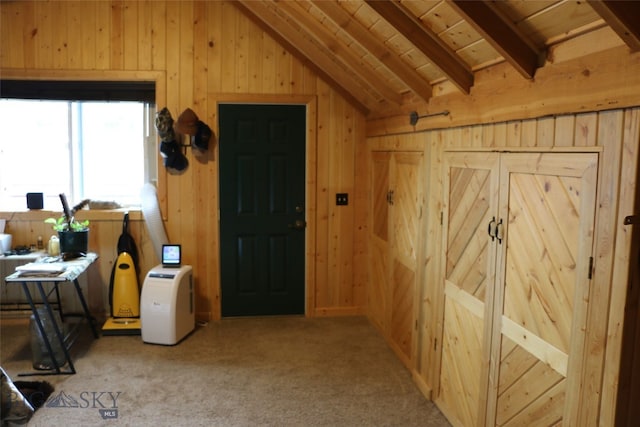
{"x":42,"y":360}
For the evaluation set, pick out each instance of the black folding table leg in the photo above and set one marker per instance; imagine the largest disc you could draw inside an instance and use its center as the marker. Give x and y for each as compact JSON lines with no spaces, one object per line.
{"x":55,"y":284}
{"x":85,"y":307}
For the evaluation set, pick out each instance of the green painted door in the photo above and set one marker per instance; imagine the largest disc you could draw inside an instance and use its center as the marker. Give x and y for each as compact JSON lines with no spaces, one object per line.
{"x":262,"y":211}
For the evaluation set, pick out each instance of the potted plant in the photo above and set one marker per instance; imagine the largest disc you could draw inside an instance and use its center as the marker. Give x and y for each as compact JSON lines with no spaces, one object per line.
{"x":72,"y":233}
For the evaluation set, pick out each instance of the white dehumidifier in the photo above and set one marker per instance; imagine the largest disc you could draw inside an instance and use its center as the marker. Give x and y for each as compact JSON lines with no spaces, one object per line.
{"x":167,"y":305}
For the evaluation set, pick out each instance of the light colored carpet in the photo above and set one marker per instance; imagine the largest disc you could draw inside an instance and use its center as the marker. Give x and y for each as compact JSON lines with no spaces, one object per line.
{"x":276,"y":371}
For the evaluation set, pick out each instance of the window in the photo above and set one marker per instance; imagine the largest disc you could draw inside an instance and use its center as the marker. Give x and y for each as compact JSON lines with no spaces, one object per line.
{"x":87,"y":149}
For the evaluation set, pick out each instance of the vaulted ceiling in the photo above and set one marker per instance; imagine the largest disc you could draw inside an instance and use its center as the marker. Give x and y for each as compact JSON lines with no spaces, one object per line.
{"x":384,"y":54}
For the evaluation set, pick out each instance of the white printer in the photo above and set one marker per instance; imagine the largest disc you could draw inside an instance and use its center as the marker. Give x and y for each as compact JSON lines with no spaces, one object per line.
{"x":167,"y":305}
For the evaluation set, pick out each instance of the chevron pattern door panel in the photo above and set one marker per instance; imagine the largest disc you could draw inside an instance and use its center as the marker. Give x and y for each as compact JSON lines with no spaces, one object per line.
{"x":471,"y":183}
{"x":397,"y":203}
{"x":548,"y":202}
{"x":518,"y":244}
{"x":379,"y":270}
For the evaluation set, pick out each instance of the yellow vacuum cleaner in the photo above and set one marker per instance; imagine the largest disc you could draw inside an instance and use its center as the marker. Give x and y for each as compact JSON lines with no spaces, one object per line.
{"x":124,"y":292}
{"x":125,"y":299}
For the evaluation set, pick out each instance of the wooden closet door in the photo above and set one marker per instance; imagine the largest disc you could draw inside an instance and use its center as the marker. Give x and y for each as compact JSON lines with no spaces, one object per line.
{"x":548,"y":204}
{"x":378,"y":268}
{"x":406,"y":202}
{"x":471,"y":201}
{"x":397,"y":202}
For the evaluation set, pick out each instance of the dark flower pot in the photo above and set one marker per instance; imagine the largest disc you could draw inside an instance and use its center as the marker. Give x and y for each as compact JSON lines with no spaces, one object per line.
{"x":74,"y":243}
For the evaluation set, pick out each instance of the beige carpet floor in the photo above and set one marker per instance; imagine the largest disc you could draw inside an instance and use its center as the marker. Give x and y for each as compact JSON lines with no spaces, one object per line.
{"x":276,"y":371}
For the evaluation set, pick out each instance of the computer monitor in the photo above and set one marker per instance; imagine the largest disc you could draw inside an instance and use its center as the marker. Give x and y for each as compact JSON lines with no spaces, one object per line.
{"x":171,"y":256}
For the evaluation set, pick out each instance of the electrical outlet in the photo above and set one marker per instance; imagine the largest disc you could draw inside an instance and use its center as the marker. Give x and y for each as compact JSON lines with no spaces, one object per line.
{"x":342,"y":199}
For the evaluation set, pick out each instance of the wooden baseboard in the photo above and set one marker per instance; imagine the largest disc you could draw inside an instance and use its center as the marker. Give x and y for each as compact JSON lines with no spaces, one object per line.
{"x":422,"y":385}
{"x":203,"y":316}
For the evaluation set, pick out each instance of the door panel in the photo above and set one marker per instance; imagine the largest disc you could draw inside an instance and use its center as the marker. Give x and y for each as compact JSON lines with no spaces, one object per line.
{"x":405,"y":219}
{"x":545,"y":221}
{"x":471,"y":186}
{"x":397,"y":209}
{"x":516,"y":299}
{"x":462,"y":347}
{"x":549,"y":200}
{"x":402,"y":294}
{"x":406,"y":207}
{"x":381,"y":161}
{"x":532,"y":381}
{"x":262,"y":182}
{"x":379,"y":267}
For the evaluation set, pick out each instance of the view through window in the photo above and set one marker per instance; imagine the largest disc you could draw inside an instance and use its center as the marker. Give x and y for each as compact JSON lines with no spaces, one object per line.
{"x":103,"y":151}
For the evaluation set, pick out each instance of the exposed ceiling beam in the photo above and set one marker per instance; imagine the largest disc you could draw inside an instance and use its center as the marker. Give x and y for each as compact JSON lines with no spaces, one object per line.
{"x":307,"y":52}
{"x":426,"y":41}
{"x":623,"y":17}
{"x":363,"y":36}
{"x":502,"y":36}
{"x":338,"y":49}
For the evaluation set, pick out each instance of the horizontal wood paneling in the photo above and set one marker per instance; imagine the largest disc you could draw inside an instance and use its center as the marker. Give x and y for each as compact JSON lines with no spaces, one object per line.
{"x":604,"y":80}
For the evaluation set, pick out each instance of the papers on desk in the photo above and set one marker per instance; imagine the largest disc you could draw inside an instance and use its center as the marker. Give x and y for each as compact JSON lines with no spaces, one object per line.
{"x":41,"y":269}
{"x":60,"y":271}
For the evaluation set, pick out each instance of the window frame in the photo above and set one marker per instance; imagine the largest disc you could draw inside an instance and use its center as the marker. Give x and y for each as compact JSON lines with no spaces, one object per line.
{"x":156,"y":77}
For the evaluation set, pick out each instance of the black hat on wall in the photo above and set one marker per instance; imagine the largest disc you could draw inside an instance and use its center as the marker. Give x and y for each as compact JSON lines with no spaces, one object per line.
{"x":200,"y":140}
{"x":172,"y":156}
{"x":170,"y":150}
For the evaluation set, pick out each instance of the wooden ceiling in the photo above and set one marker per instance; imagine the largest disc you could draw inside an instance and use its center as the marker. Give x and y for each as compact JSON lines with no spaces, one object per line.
{"x":382,"y":55}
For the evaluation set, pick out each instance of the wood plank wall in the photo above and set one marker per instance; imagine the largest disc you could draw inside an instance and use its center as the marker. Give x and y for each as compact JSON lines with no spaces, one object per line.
{"x":585,"y":97}
{"x":616,"y":136}
{"x":208,"y":51}
{"x":204,"y":52}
